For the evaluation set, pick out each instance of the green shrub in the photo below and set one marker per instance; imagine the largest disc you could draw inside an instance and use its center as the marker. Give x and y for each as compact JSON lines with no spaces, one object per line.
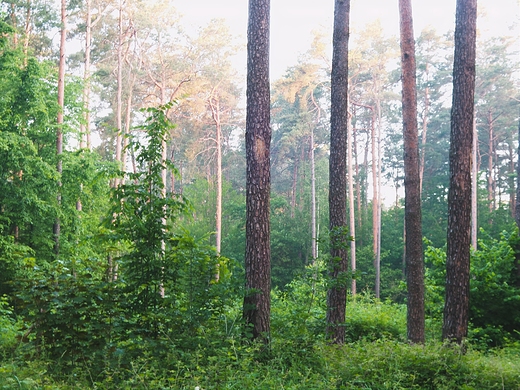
{"x":9,"y":328}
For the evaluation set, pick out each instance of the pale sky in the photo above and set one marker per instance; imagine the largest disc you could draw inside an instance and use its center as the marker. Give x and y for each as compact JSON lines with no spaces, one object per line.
{"x":292,"y":21}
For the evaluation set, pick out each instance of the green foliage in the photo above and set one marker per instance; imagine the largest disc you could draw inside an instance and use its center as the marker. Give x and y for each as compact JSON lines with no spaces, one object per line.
{"x":142,"y":216}
{"x":494,"y":296}
{"x":298,"y":312}
{"x":9,"y":328}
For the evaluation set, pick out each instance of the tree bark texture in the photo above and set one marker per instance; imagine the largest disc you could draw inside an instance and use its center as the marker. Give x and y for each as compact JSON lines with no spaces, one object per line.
{"x":414,"y":250}
{"x":455,"y":326}
{"x":336,"y":295}
{"x":258,"y":180}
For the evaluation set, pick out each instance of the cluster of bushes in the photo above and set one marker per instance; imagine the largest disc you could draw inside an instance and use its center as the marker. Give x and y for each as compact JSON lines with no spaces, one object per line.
{"x":211,"y":353}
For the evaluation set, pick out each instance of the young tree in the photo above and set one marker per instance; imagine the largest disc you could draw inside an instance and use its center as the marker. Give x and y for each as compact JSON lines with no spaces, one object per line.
{"x":413,"y":232}
{"x":337,"y":293}
{"x":257,"y":304}
{"x":456,"y":309}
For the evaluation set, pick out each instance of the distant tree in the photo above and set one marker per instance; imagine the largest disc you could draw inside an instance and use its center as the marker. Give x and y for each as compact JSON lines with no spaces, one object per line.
{"x":337,"y":293}
{"x":456,"y":309}
{"x":61,"y":104}
{"x":517,"y":215}
{"x":257,"y":303}
{"x":413,"y":229}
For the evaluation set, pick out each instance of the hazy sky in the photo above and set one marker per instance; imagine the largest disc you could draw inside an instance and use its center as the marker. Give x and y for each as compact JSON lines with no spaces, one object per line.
{"x":292,"y":21}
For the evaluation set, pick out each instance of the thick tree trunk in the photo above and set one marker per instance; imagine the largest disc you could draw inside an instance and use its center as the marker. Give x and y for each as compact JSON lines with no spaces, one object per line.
{"x":456,"y":309}
{"x":257,"y":303}
{"x":413,"y":232}
{"x":337,"y":293}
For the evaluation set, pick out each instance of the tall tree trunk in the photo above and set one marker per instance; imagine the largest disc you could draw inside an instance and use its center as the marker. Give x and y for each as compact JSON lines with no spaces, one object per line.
{"x":359,"y":201}
{"x":516,"y":270}
{"x":214,"y":103}
{"x":314,"y":238}
{"x":61,"y":104}
{"x":375,"y":206}
{"x":27,"y":31}
{"x":456,"y":308}
{"x":119,"y":96}
{"x":257,"y":303}
{"x":294,"y":185}
{"x":314,"y":222}
{"x":413,"y":232}
{"x":337,"y":293}
{"x":511,"y":179}
{"x":425,"y":114}
{"x":351,"y":205}
{"x":14,"y":22}
{"x":128,"y":123}
{"x":474,"y":183}
{"x":491,"y":153}
{"x":85,"y":141}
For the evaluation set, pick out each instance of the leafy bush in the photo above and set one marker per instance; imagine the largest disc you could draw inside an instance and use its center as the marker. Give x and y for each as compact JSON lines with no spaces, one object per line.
{"x":9,"y":328}
{"x":494,"y":295}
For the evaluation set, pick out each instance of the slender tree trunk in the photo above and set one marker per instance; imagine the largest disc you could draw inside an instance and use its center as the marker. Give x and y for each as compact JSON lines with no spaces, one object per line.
{"x":27,"y":31}
{"x":425,"y":115}
{"x":257,"y":303}
{"x":375,"y":206}
{"x":337,"y":293}
{"x":413,"y":243}
{"x":119,"y":96}
{"x":474,"y":181}
{"x":294,"y":186}
{"x":128,"y":125}
{"x":85,"y":127}
{"x":314,"y":223}
{"x":313,"y":201}
{"x":516,"y":270}
{"x":491,"y":152}
{"x":511,"y":179}
{"x":351,"y":205}
{"x":14,"y":22}
{"x":214,"y":103}
{"x":61,"y":104}
{"x":456,"y":308}
{"x":359,"y":202}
